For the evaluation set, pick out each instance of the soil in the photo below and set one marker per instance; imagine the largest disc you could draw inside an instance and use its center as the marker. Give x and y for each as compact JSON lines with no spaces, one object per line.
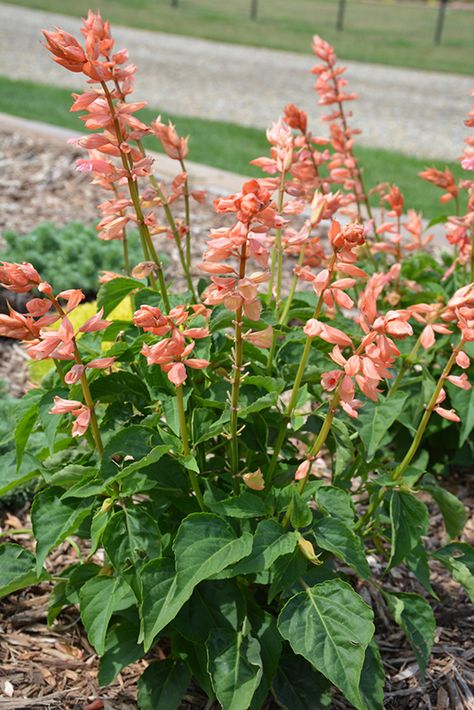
{"x":55,"y":667}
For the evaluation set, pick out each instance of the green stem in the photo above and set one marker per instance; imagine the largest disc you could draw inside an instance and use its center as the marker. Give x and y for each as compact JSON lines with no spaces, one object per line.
{"x":187,"y":213}
{"x":401,"y":468}
{"x":291,"y":294}
{"x":186,"y":450}
{"x":237,"y":365}
{"x":145,"y":236}
{"x":297,"y":383}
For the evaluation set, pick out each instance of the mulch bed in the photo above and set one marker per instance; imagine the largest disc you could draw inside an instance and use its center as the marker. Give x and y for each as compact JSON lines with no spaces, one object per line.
{"x":55,"y":667}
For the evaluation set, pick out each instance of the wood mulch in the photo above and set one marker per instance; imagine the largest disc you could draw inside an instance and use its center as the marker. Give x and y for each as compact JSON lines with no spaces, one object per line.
{"x":55,"y":667}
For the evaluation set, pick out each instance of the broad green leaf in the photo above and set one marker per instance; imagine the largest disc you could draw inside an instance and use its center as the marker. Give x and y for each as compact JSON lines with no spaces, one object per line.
{"x":298,"y":686}
{"x":245,"y":505}
{"x":23,"y":430}
{"x":111,"y":293}
{"x":284,"y":573}
{"x":121,"y":649}
{"x":409,"y":519}
{"x":99,"y":598}
{"x":49,"y":422}
{"x":18,"y":568}
{"x":333,"y":535}
{"x":337,"y":503}
{"x":372,"y":680}
{"x":204,"y":545}
{"x":162,"y":685}
{"x":452,"y":509}
{"x":263,"y":402}
{"x":265,"y":630}
{"x":134,"y":441}
{"x":417,"y":562}
{"x":301,"y":514}
{"x":153,"y":457}
{"x":270,"y":541}
{"x":121,"y":387}
{"x":331,"y":626}
{"x":195,"y":656}
{"x":235,"y":666}
{"x":215,"y":604}
{"x":53,"y":520}
{"x":376,"y":423}
{"x":463,"y":402}
{"x":415,"y":616}
{"x":344,"y":454}
{"x":458,"y":557}
{"x":131,"y":537}
{"x":12,"y":475}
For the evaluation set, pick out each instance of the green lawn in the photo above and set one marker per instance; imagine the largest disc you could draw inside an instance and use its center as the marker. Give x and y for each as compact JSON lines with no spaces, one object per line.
{"x":389,"y":32}
{"x":226,"y":145}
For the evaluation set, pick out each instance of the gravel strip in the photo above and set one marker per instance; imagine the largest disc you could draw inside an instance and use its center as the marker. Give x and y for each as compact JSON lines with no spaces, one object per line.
{"x":417,"y":112}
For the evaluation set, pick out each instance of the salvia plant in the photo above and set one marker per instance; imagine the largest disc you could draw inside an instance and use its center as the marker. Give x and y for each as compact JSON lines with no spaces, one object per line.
{"x":244,"y":462}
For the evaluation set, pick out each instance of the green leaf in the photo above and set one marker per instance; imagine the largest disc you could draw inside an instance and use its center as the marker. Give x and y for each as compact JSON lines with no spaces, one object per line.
{"x":121,"y":649}
{"x":204,"y":546}
{"x":215,"y":604}
{"x":372,"y":680}
{"x":11,"y":475}
{"x":265,"y":630}
{"x":245,"y":505}
{"x":437,"y":220}
{"x":333,"y":535}
{"x":301,"y":514}
{"x":270,"y":541}
{"x":284,"y":573}
{"x":452,"y":509}
{"x":458,"y":558}
{"x":337,"y":503}
{"x":23,"y":430}
{"x":111,"y":293}
{"x":409,"y":518}
{"x":134,"y":441}
{"x":131,"y":537}
{"x":376,"y":423}
{"x":235,"y":667}
{"x":331,"y":626}
{"x":53,"y":520}
{"x":463,"y":403}
{"x":417,"y":562}
{"x":99,"y":598}
{"x":415,"y":616}
{"x":18,"y":568}
{"x":162,"y":685}
{"x":298,"y":686}
{"x":121,"y":387}
{"x":344,"y":448}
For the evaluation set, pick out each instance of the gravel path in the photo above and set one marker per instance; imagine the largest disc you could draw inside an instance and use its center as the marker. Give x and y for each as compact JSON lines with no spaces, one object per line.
{"x":417,"y":112}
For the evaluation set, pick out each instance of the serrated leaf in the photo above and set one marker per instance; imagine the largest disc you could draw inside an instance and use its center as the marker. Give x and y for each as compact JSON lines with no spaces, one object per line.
{"x":333,"y":535}
{"x":162,"y":685}
{"x":121,"y":649}
{"x":235,"y":666}
{"x":298,"y":686}
{"x":458,"y":558}
{"x":409,"y":519}
{"x":100,"y":597}
{"x":415,"y":616}
{"x":134,"y":441}
{"x":337,"y":503}
{"x":204,"y":545}
{"x":417,"y":562}
{"x":53,"y":520}
{"x":121,"y":387}
{"x":331,"y":626}
{"x":245,"y":505}
{"x":111,"y":293}
{"x":18,"y":568}
{"x":378,"y":422}
{"x":265,"y":630}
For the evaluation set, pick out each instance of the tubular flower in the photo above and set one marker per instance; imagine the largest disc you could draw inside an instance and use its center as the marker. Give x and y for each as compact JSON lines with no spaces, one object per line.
{"x":19,"y":278}
{"x":172,"y":354}
{"x":79,"y":411}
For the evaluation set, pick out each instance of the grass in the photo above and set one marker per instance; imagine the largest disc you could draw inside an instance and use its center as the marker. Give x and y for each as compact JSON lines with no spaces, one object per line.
{"x":395,"y":33}
{"x":226,"y":145}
